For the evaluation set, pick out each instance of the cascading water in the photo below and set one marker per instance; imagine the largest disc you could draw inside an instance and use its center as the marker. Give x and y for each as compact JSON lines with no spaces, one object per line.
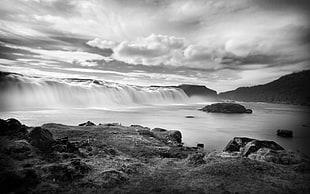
{"x":19,"y":91}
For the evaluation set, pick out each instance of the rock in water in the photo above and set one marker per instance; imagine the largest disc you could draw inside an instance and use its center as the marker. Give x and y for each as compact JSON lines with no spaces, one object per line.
{"x":87,"y":124}
{"x":284,"y":133}
{"x":42,"y":139}
{"x":226,"y":108}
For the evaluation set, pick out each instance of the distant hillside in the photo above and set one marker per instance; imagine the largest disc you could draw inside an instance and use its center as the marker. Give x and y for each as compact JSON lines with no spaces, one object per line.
{"x":289,"y":89}
{"x":197,"y":90}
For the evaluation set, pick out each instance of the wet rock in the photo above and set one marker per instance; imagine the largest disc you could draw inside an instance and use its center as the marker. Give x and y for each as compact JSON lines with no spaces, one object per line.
{"x":87,"y":124}
{"x":12,"y":127}
{"x":42,"y":139}
{"x":226,"y":108}
{"x":284,"y":133}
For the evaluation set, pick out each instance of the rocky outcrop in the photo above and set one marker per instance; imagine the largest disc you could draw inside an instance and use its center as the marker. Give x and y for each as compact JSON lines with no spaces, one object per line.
{"x":289,"y":89}
{"x":248,"y":145}
{"x":261,"y":150}
{"x":226,"y":108}
{"x":42,"y":139}
{"x":87,"y":124}
{"x":12,"y":127}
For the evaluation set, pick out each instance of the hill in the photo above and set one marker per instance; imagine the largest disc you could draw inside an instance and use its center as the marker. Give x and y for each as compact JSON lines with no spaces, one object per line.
{"x":289,"y":89}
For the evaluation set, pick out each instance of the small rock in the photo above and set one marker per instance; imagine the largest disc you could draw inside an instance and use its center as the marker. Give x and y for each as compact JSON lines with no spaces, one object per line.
{"x":200,"y":145}
{"x":284,"y":133}
{"x":190,"y":116}
{"x":87,"y":124}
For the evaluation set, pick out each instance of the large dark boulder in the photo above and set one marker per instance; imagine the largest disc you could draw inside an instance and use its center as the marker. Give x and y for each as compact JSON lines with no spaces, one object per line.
{"x":226,"y":108}
{"x":12,"y":127}
{"x":42,"y":139}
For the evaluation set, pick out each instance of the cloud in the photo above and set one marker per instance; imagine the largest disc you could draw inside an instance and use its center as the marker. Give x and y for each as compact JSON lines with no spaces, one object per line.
{"x":151,"y":50}
{"x":102,"y":44}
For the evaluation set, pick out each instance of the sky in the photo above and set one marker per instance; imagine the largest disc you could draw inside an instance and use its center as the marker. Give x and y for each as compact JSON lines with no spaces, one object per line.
{"x":222,"y":44}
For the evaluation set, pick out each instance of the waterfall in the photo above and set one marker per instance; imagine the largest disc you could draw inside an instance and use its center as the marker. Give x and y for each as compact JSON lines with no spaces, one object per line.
{"x":19,"y":91}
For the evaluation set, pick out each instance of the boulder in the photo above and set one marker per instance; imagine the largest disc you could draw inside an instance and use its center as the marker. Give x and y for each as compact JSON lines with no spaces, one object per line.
{"x":261,"y":150}
{"x":255,"y":145}
{"x":284,"y":133}
{"x":236,"y":143}
{"x":226,"y":108}
{"x":87,"y":124}
{"x":171,"y":136}
{"x":247,"y":145}
{"x":42,"y":139}
{"x":276,"y":156}
{"x":12,"y":127}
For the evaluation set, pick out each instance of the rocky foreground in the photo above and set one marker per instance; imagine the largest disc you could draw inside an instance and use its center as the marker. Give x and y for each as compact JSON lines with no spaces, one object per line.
{"x":111,"y":158}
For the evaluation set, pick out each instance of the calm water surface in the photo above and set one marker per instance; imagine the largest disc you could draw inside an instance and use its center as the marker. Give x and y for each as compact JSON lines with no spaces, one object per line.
{"x":212,"y":129}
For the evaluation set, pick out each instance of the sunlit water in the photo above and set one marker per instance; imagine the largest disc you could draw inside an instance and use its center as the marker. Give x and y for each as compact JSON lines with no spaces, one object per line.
{"x":212,"y":129}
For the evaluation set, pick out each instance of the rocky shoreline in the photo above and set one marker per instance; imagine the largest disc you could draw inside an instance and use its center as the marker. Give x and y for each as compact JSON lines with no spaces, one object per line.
{"x":111,"y":158}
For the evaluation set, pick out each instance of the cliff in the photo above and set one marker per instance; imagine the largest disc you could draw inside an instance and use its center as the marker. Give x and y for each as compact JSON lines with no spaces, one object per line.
{"x":197,"y":90}
{"x":289,"y":89}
